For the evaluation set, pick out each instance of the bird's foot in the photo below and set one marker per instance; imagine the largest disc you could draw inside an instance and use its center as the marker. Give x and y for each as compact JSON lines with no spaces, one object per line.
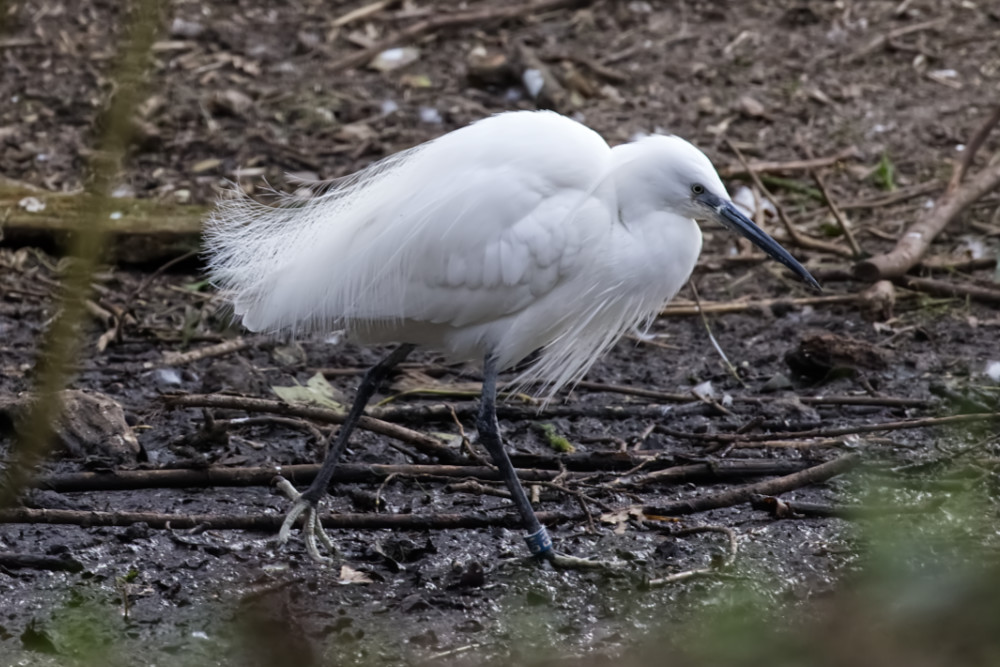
{"x":540,"y":545}
{"x":311,"y":527}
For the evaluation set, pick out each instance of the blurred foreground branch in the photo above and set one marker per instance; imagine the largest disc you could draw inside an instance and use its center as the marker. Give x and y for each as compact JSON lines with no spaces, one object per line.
{"x":60,"y":343}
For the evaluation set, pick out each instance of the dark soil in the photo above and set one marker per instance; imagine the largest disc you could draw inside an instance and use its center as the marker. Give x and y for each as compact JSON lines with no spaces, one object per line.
{"x":248,"y":86}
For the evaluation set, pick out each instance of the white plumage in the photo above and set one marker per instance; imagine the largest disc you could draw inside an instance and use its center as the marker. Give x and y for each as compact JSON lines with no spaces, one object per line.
{"x":521,"y":231}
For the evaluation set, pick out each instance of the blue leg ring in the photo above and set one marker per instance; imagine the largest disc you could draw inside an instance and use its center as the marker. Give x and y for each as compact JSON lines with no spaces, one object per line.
{"x":539,"y":543}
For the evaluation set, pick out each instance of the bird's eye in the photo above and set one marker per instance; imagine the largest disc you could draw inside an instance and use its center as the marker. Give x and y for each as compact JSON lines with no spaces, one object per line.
{"x":697,"y":189}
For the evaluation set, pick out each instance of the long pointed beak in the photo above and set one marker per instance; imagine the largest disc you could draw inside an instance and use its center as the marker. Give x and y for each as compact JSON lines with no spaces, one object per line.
{"x":729,"y":216}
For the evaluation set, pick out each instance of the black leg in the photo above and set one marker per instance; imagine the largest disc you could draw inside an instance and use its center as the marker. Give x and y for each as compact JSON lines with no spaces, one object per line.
{"x":306,"y":502}
{"x":489,"y":435}
{"x":369,"y":384}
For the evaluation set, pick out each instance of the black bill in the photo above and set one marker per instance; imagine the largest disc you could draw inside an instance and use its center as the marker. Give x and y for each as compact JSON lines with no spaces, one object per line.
{"x":727,"y":214}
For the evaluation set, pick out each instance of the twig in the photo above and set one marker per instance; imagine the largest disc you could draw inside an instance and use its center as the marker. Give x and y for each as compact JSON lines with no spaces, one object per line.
{"x":141,"y":287}
{"x":425,"y":443}
{"x":440,"y":412}
{"x":946,"y":288}
{"x":714,"y":471}
{"x":838,"y":215}
{"x":438,"y":658}
{"x":894,"y":198}
{"x":786,"y":509}
{"x":760,"y":167}
{"x":381,"y":487}
{"x":271,"y":522}
{"x":883,"y":40}
{"x":263,"y":476}
{"x":476,"y":488}
{"x":444,"y":21}
{"x":581,"y":498}
{"x":972,"y":148}
{"x":717,"y":407}
{"x":826,"y":443}
{"x":291,"y":422}
{"x":360,"y":13}
{"x":625,"y":390}
{"x":950,"y":265}
{"x":17,"y":42}
{"x":797,"y":237}
{"x":218,"y":350}
{"x":770,"y":487}
{"x":466,"y":443}
{"x":917,"y":240}
{"x":724,"y":563}
{"x":845,"y":430}
{"x":638,"y":441}
{"x":601,"y":70}
{"x":683,"y":309}
{"x":711,"y":337}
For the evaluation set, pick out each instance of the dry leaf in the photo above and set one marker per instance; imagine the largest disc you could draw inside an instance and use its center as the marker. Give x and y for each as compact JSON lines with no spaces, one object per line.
{"x":317,"y":391}
{"x":348,"y":575}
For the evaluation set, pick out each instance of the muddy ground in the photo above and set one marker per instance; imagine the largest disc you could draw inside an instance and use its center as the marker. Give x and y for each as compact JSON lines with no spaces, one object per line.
{"x":255,"y":90}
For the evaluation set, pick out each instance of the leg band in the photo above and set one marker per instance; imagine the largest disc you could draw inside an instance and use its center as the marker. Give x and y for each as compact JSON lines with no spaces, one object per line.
{"x":539,"y":543}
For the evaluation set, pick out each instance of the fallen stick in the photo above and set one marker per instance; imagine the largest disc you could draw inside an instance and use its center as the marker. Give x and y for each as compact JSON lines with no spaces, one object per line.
{"x":917,"y":240}
{"x":272,"y":522}
{"x":788,"y":509}
{"x":952,"y":289}
{"x":716,"y":470}
{"x":838,"y":214}
{"x":888,"y":401}
{"x":467,"y":410}
{"x":662,"y":396}
{"x":442,"y":412}
{"x":761,"y":167}
{"x":263,"y":476}
{"x":972,"y":148}
{"x":915,"y":243}
{"x":826,"y":443}
{"x":887,"y":38}
{"x":958,"y":266}
{"x":771,"y":487}
{"x":199,"y":353}
{"x":425,"y":443}
{"x":681,"y":308}
{"x":360,"y":13}
{"x":900,"y":195}
{"x":833,"y":432}
{"x":531,"y":468}
{"x":797,"y":237}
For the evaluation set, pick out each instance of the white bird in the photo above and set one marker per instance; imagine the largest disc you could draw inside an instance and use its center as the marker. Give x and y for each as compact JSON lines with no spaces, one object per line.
{"x":523,"y":231}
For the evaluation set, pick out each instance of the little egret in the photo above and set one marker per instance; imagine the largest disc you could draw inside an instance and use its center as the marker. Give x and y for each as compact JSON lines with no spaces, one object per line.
{"x":524,"y":231}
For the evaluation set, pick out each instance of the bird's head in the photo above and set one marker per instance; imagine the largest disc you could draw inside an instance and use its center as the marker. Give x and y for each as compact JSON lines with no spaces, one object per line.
{"x":682,"y":180}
